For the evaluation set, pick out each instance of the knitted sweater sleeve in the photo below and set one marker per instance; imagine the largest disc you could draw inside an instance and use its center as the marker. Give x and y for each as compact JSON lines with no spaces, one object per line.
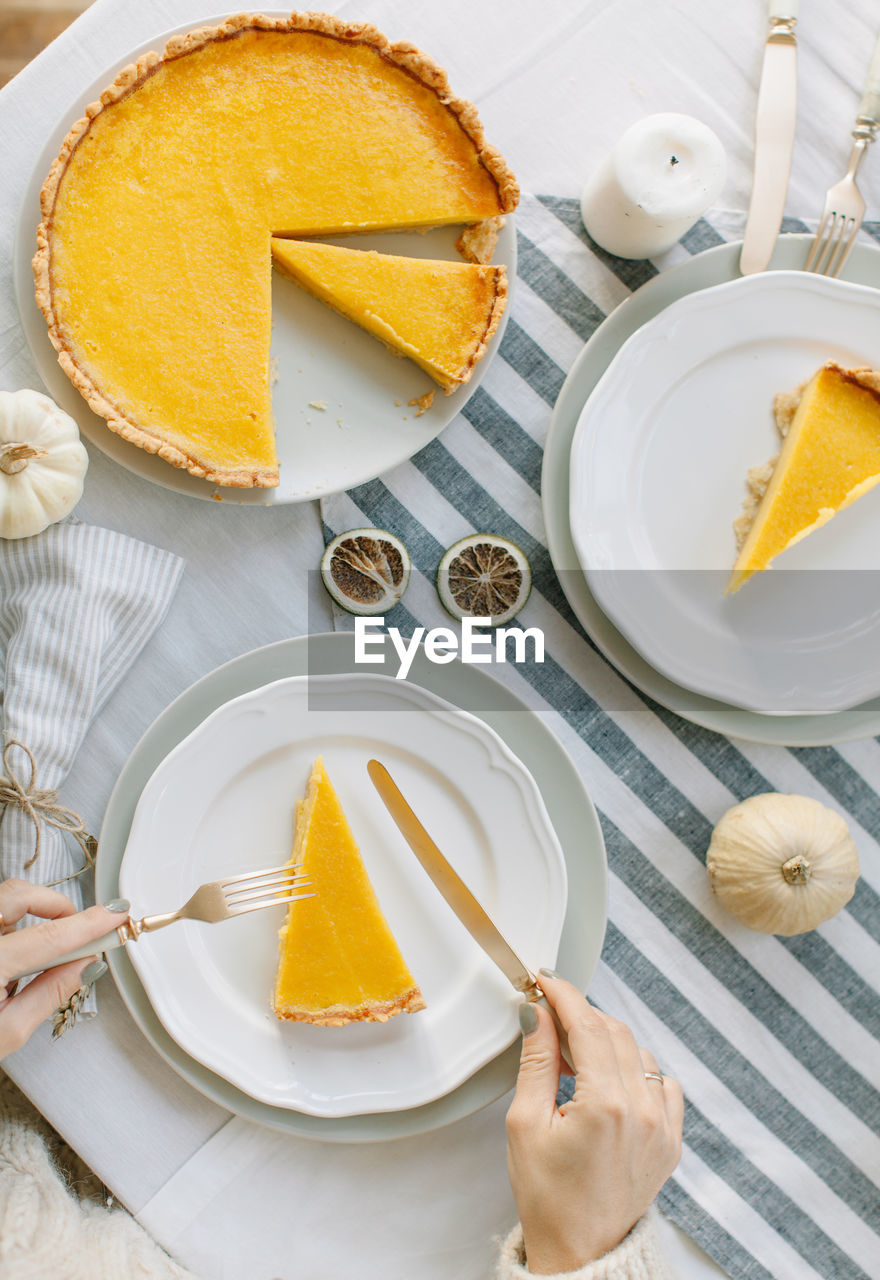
{"x":637,"y":1257}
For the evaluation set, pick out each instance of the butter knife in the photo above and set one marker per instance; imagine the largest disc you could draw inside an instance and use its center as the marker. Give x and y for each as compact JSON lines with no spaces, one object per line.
{"x":459,"y":897}
{"x":774,"y":137}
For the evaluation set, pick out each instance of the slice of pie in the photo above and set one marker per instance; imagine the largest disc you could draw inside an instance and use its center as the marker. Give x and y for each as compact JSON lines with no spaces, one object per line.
{"x":830,"y":456}
{"x":153,"y":265}
{"x":338,"y":961}
{"x":440,"y":314}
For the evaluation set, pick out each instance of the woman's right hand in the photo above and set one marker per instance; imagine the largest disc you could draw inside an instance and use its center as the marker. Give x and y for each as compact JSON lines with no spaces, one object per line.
{"x":583,"y":1174}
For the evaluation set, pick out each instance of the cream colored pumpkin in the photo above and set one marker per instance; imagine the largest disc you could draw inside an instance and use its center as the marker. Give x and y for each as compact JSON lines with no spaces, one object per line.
{"x":782,"y":863}
{"x":42,"y":463}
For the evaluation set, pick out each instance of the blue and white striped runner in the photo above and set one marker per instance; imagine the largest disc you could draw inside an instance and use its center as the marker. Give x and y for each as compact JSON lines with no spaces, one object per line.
{"x":775,"y":1040}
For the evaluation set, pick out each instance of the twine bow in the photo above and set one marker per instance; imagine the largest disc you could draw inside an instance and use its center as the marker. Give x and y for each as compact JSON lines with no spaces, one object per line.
{"x":41,"y":805}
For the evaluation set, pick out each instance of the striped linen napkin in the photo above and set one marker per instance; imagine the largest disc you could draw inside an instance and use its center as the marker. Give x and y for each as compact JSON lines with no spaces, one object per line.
{"x":77,"y":604}
{"x":775,"y":1040}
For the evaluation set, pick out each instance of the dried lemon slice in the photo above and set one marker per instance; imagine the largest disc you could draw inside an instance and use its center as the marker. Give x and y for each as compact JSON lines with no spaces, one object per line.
{"x":366,"y":570}
{"x":484,"y":576}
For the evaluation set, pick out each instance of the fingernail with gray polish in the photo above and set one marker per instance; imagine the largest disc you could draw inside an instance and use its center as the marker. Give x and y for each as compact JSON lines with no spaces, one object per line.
{"x":92,"y":972}
{"x":528,"y":1018}
{"x":118,"y":906}
{"x":550,"y":973}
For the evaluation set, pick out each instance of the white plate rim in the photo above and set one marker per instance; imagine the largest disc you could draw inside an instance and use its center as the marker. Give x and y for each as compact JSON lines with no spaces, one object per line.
{"x":127,"y":455}
{"x":474,"y":1054}
{"x":714,"y":681}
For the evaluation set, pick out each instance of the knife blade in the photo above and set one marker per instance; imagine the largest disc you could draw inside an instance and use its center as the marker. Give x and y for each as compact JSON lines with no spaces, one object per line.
{"x":472,"y":915}
{"x":774,"y":137}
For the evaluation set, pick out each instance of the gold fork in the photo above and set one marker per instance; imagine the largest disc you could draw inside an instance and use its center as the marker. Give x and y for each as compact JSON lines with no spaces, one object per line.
{"x":844,"y":208}
{"x":212,"y":902}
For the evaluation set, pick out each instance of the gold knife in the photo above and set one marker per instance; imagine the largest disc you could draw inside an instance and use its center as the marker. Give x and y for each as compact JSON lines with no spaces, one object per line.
{"x":459,"y":897}
{"x":774,"y":137}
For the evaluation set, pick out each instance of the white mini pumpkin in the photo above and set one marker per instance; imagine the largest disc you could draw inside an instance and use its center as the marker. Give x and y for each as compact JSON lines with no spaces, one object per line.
{"x":42,"y":463}
{"x":782,"y":863}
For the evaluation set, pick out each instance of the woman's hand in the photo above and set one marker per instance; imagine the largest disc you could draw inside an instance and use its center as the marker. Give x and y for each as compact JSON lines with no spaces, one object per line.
{"x":36,"y":947}
{"x":583,"y":1174}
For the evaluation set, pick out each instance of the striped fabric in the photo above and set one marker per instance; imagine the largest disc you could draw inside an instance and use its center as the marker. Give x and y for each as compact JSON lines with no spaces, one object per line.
{"x":77,"y":604}
{"x":775,"y":1040}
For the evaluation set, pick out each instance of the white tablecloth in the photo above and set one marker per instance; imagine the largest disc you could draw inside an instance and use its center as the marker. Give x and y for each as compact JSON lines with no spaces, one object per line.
{"x":555,"y":84}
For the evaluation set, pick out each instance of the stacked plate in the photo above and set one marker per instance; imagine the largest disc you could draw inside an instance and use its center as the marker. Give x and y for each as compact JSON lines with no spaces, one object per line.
{"x":209,"y":792}
{"x":661,"y":417}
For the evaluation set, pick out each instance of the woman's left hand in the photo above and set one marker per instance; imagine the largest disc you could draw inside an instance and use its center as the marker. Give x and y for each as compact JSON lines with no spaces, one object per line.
{"x":63,"y":929}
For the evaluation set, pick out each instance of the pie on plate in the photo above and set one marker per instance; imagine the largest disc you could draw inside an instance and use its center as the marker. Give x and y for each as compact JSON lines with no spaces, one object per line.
{"x":153,"y":263}
{"x":440,"y":314}
{"x":829,"y":458}
{"x":338,"y":960}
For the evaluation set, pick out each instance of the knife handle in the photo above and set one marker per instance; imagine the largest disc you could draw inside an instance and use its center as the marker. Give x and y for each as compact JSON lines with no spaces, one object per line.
{"x":783,"y":10}
{"x":870,"y":103}
{"x":564,"y":1048}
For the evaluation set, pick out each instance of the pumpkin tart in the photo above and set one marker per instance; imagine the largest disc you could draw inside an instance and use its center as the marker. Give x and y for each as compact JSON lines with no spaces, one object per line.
{"x":830,"y":456}
{"x":153,"y":265}
{"x":440,"y":314}
{"x":338,"y":960}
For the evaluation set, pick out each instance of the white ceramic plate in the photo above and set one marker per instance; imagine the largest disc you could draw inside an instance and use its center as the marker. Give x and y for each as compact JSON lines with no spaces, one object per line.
{"x":367,"y":426}
{"x":221,"y":802}
{"x":571,"y":812}
{"x":657,"y":476}
{"x":711,"y":267}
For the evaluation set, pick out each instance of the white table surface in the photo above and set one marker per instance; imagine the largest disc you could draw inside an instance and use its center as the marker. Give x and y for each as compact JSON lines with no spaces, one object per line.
{"x":556,"y":82}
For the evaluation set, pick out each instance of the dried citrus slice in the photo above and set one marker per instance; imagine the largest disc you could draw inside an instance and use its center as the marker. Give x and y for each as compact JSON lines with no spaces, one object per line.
{"x":484,"y":576}
{"x":366,"y":570}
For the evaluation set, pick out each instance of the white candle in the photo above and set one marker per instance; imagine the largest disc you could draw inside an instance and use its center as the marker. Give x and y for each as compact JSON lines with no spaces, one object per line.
{"x":660,"y":178}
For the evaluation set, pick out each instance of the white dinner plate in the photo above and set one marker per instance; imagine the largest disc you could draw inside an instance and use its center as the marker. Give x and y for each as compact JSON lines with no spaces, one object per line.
{"x":470,"y":687}
{"x":319,"y":358}
{"x":221,"y":803}
{"x":658,"y":464}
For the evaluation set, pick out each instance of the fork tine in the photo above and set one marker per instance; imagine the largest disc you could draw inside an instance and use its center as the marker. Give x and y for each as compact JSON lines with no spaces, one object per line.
{"x":847,"y":240}
{"x":268,"y":886}
{"x":266,"y":882}
{"x":835,"y":239}
{"x":812,"y":262}
{"x":256,"y":875}
{"x":270,"y":890}
{"x":829,"y":244}
{"x":269,"y":902}
{"x":266,"y":877}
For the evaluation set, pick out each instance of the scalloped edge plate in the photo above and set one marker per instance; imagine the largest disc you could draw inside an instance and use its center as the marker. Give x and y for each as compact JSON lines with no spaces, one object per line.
{"x":221,"y":803}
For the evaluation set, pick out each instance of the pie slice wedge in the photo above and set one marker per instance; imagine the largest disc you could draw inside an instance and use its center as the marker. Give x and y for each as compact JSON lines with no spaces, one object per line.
{"x":338,"y":961}
{"x":440,"y":314}
{"x":830,"y":457}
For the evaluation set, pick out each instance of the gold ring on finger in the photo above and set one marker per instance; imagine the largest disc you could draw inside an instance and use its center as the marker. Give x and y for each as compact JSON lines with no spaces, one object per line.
{"x":654,"y":1075}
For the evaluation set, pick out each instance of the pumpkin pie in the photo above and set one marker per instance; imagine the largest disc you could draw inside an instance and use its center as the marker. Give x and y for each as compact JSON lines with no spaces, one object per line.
{"x":153,"y":263}
{"x":830,"y":456}
{"x":440,"y":314}
{"x":338,"y":960}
